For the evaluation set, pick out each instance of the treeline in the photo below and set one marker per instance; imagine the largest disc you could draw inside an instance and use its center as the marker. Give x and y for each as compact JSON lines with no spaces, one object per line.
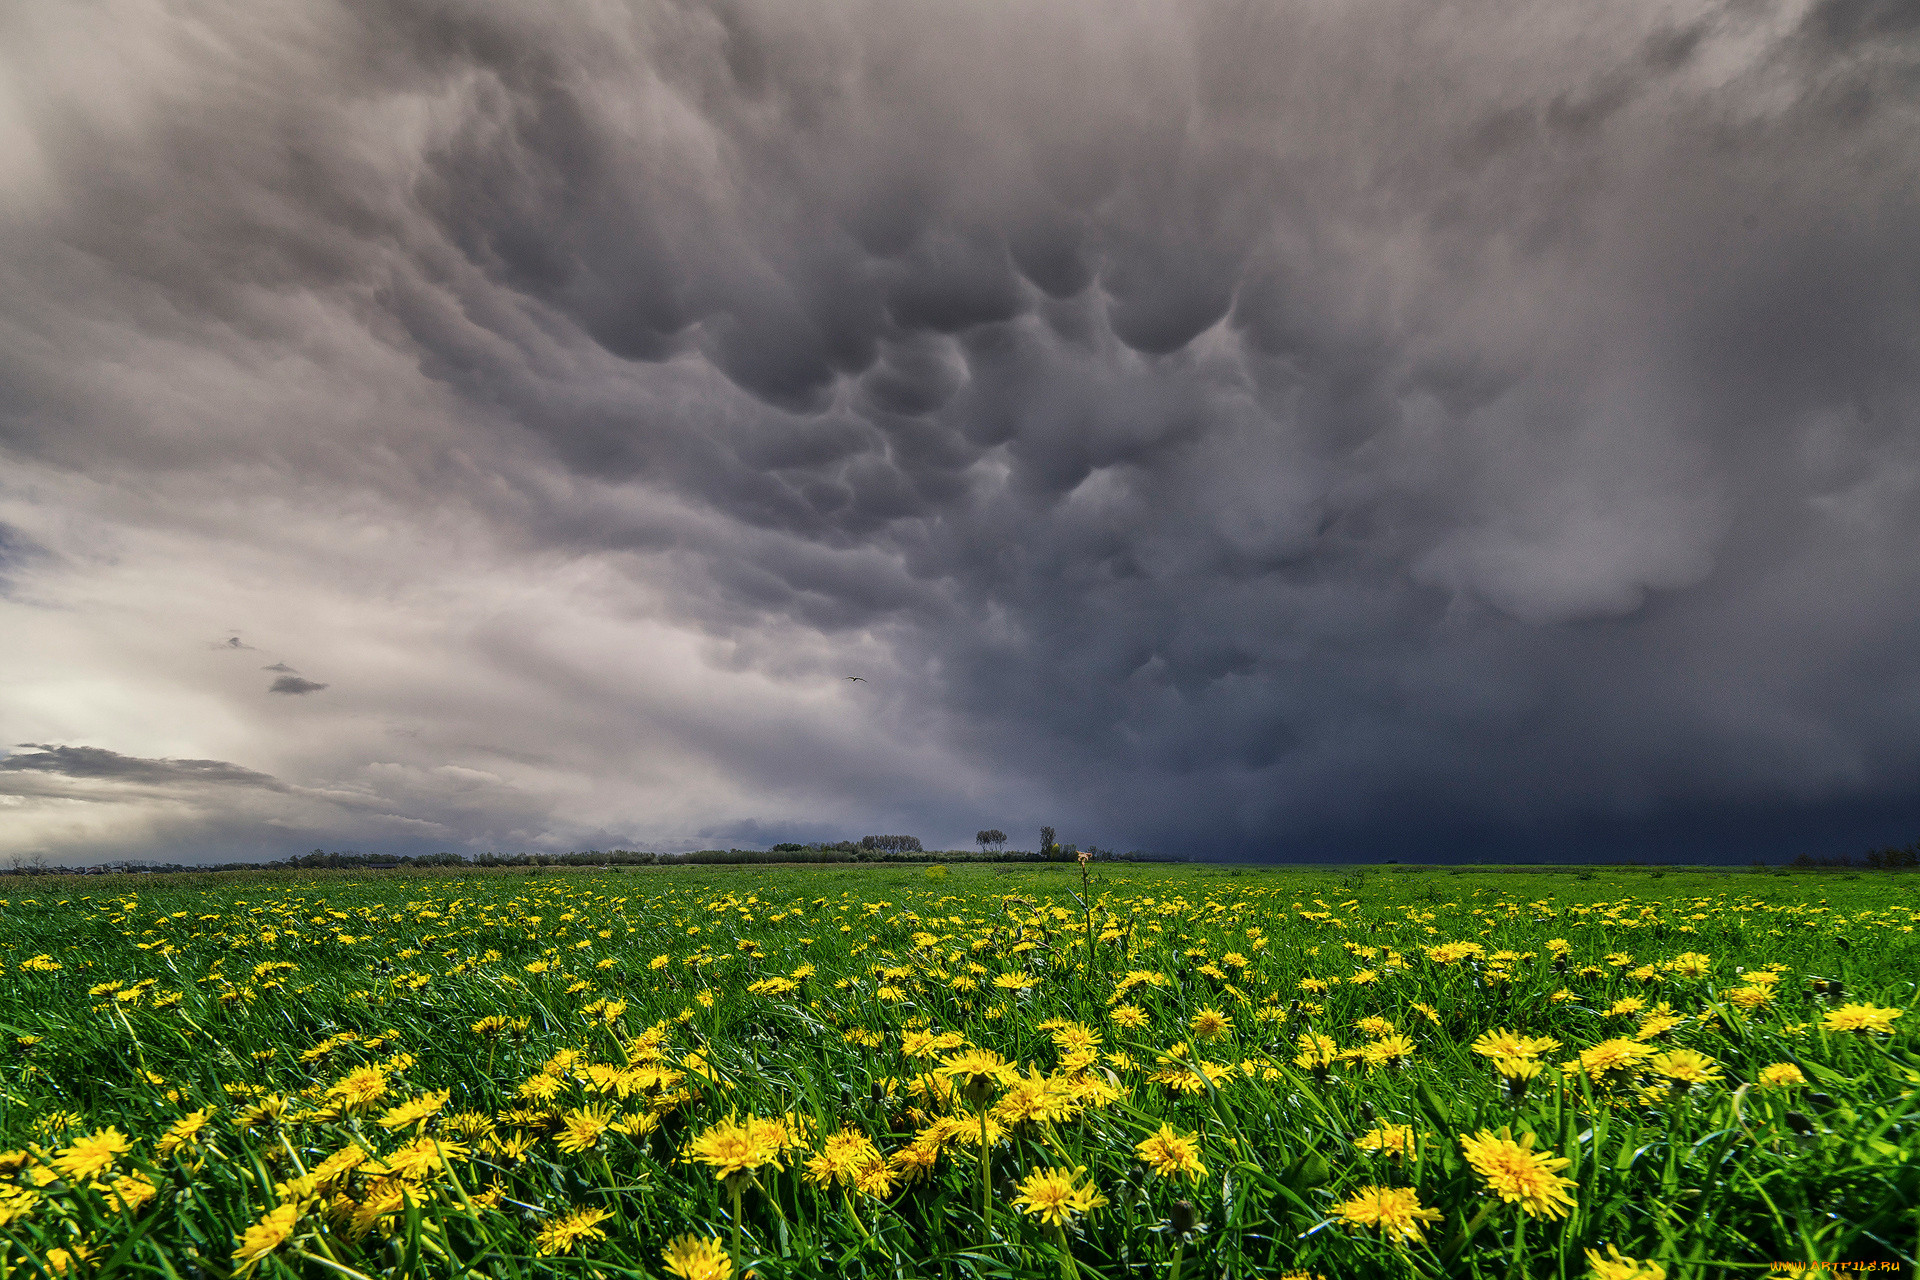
{"x":869,"y":849}
{"x":1891,"y":858}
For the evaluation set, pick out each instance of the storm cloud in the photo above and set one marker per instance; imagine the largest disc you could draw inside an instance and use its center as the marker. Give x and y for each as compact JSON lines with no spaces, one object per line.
{"x":1295,"y":430}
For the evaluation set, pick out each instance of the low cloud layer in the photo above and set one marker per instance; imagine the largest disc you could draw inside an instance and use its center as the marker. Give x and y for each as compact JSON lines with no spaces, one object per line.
{"x":1291,"y":431}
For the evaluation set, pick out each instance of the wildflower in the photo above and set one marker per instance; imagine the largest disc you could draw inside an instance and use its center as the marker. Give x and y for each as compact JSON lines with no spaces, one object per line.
{"x":360,"y":1088}
{"x":562,"y":1234}
{"x":131,"y":1193}
{"x":581,"y":1128}
{"x":1168,"y":1153}
{"x":274,"y":1229}
{"x":1076,"y":1037}
{"x":1518,"y":1174}
{"x":511,"y":1148}
{"x":1392,"y":1139}
{"x":977,"y":1073}
{"x":1686,"y":1068}
{"x":63,"y":1261}
{"x":1861,"y":1018}
{"x":1512,"y":1044}
{"x":1781,"y":1075}
{"x":1615,"y":1059}
{"x":1616,"y":1267}
{"x":1051,"y":1196}
{"x":1388,"y":1051}
{"x":851,"y":1159}
{"x":17,"y":1203}
{"x":916,"y":1160}
{"x":414,"y":1110}
{"x":93,"y":1155}
{"x":1129,"y":1016}
{"x":1210,"y":1024}
{"x":730,"y":1148}
{"x":1395,"y":1211}
{"x":266,"y":1111}
{"x":691,"y":1258}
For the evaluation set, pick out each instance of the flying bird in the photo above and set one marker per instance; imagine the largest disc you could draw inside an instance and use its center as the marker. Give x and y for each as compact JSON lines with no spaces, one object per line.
{"x":858,"y":678}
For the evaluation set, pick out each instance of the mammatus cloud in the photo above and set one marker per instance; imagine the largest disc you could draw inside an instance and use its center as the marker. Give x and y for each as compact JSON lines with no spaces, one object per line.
{"x":1300,"y":430}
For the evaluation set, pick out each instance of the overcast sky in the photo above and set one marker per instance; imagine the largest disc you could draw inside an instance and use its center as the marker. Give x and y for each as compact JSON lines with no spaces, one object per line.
{"x":1265,"y":428}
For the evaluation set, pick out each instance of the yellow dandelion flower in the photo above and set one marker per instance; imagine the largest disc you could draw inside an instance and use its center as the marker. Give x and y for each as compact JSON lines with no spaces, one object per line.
{"x":1395,"y":1211}
{"x":580,"y":1129}
{"x":414,"y":1110}
{"x":563,"y":1234}
{"x":1209,"y":1024}
{"x":1614,"y":1266}
{"x":729,"y":1148}
{"x":93,"y":1155}
{"x":360,"y":1088}
{"x":1686,"y":1068}
{"x":1781,"y":1075}
{"x":1518,"y":1174}
{"x":274,"y":1229}
{"x":1392,"y":1140}
{"x":691,"y":1258}
{"x":1860,"y":1018}
{"x":1052,"y":1196}
{"x":1168,"y":1152}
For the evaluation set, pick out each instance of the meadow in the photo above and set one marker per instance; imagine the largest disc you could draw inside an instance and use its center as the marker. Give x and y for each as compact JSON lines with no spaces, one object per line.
{"x":1110,"y":1071}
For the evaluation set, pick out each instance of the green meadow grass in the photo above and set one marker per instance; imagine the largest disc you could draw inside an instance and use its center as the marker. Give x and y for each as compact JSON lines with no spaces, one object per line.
{"x":636,"y":1010}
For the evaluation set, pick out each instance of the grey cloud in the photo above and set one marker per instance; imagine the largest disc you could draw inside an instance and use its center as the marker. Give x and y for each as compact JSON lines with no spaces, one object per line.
{"x":1244,"y":427}
{"x":98,"y":764}
{"x":280,"y":666}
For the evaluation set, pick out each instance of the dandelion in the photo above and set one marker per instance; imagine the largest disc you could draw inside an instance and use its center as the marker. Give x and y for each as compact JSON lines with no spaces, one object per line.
{"x":1395,"y":1211}
{"x":1052,"y":1196}
{"x":580,"y":1129}
{"x":730,"y":1148}
{"x":563,"y":1234}
{"x":131,"y":1193}
{"x":1209,"y":1024}
{"x":1511,"y":1044}
{"x":1518,"y":1174}
{"x":93,"y":1155}
{"x":691,"y":1258}
{"x":360,"y":1088}
{"x":1781,"y":1075}
{"x":1614,"y":1266}
{"x":1685,"y":1068}
{"x":1167,"y":1153}
{"x":1392,"y":1140}
{"x":274,"y":1229}
{"x":1860,"y":1018}
{"x":414,"y":1110}
{"x":1517,"y":1072}
{"x":1612,"y":1060}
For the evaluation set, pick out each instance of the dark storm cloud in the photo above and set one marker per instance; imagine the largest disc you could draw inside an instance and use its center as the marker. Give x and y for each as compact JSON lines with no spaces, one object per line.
{"x":295,"y":685}
{"x":95,"y":764}
{"x":1238,"y":428}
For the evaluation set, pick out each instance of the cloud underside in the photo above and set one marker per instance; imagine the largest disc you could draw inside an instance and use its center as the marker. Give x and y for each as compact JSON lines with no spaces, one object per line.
{"x":1219,"y":429}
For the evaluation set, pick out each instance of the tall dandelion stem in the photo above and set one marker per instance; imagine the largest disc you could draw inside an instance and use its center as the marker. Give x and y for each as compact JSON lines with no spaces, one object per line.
{"x":986,"y":1181}
{"x":1179,"y":1247}
{"x":733,"y":1190}
{"x":1069,"y":1269}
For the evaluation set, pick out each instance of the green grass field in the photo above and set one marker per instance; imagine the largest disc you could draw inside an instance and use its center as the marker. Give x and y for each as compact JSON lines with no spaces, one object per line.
{"x":1188,"y":1071}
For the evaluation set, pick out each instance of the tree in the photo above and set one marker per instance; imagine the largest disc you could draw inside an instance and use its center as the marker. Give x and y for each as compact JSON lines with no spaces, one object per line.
{"x":992,"y":836}
{"x":1046,"y":842}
